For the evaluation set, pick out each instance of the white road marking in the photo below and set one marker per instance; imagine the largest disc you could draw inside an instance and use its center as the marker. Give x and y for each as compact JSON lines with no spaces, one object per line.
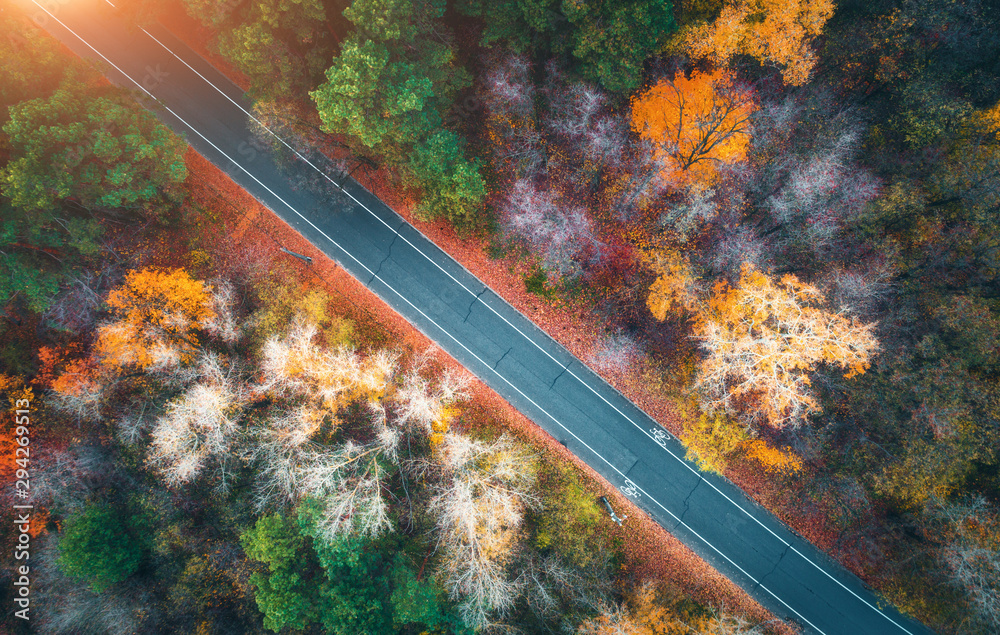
{"x":660,"y":436}
{"x":630,"y":485}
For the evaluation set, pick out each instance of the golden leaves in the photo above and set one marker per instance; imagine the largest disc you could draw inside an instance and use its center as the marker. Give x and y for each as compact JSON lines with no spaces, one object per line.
{"x":775,"y":31}
{"x":674,"y":286}
{"x":158,"y":313}
{"x":694,"y":124}
{"x":774,"y":460}
{"x":763,"y":337}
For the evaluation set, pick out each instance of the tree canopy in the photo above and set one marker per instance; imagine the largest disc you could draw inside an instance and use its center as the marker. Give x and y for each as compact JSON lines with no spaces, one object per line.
{"x":608,"y":40}
{"x":390,"y":89}
{"x":94,"y":146}
{"x":98,"y":547}
{"x":694,"y":125}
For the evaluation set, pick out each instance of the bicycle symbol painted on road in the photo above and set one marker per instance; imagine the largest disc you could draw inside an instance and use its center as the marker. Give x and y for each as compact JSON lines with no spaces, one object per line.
{"x":660,"y":436}
{"x":631,"y":489}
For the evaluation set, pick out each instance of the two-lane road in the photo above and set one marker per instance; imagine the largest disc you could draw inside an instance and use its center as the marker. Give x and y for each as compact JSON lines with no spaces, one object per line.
{"x":495,"y":342}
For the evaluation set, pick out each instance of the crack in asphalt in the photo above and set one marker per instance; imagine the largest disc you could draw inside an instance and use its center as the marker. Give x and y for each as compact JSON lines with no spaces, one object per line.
{"x":561,"y":373}
{"x":687,"y":498}
{"x":388,"y":254}
{"x":473,"y":303}
{"x":502,"y":356}
{"x":784,"y":553}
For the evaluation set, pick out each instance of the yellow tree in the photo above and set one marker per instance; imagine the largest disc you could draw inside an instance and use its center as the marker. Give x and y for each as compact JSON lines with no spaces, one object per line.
{"x":712,"y":440}
{"x":674,"y":287}
{"x":772,"y":31}
{"x":649,"y":613}
{"x":774,"y":460}
{"x":762,"y":338}
{"x":694,"y":125}
{"x":157,"y":316}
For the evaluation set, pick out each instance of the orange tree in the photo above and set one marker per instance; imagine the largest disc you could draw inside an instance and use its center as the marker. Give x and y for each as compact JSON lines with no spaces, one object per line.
{"x":772,"y":31}
{"x":694,"y":125}
{"x":158,"y":313}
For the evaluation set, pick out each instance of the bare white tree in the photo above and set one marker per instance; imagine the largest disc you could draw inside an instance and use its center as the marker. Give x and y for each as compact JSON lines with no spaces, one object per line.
{"x":224,"y":323}
{"x":422,"y":402}
{"x":823,"y":190}
{"x":79,"y":392}
{"x":278,"y":449}
{"x":65,"y":478}
{"x":697,"y":207}
{"x":614,"y":620}
{"x":741,"y":245}
{"x":137,"y":420}
{"x":647,"y":170}
{"x":574,"y":110}
{"x":293,"y":366}
{"x":861,"y":287}
{"x":510,"y":101}
{"x":479,"y":502}
{"x":550,"y":585}
{"x":350,"y":480}
{"x":971,"y":557}
{"x":616,"y":352}
{"x":199,"y":424}
{"x":508,"y":85}
{"x":349,"y":477}
{"x":561,"y":234}
{"x":726,"y":623}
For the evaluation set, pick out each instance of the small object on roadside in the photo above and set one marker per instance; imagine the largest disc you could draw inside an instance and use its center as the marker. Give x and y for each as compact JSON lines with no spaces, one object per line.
{"x":308,"y":259}
{"x":614,"y":516}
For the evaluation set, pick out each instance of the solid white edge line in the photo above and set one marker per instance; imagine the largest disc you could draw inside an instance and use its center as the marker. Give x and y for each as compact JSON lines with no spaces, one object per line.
{"x":418,"y":250}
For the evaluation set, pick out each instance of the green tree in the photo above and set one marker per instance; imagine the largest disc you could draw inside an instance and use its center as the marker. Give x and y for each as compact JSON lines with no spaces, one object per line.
{"x":612,"y":39}
{"x":93,"y":145}
{"x":420,"y":602}
{"x":39,"y":248}
{"x":395,"y":76}
{"x":568,"y":522}
{"x":97,"y":546}
{"x":355,"y":578}
{"x":387,"y":104}
{"x":289,"y":592}
{"x":38,"y":251}
{"x":336,"y":584}
{"x":609,"y":39}
{"x":452,"y":185}
{"x":211,"y":13}
{"x":279,"y":301}
{"x":31,"y":64}
{"x":390,"y":87}
{"x":281,"y":45}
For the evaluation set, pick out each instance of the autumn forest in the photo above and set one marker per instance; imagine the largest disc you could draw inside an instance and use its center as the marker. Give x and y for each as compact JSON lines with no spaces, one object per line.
{"x":772,"y":224}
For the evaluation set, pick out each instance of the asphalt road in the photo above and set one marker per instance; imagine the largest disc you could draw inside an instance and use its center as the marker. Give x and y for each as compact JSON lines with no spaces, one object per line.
{"x":468,"y":320}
